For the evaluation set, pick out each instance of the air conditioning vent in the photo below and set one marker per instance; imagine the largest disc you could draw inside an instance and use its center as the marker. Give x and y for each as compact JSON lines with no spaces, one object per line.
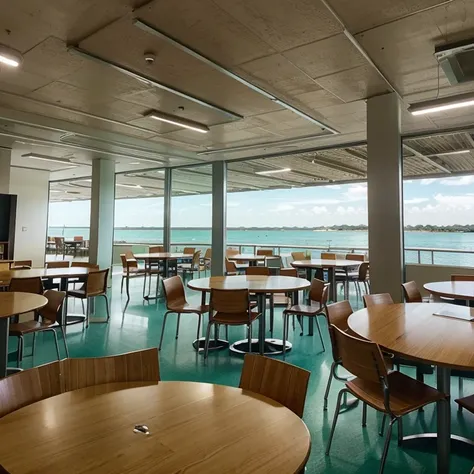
{"x":457,"y":61}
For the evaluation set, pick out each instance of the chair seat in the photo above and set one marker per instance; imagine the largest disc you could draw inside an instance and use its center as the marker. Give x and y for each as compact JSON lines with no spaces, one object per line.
{"x":235,"y":318}
{"x":187,"y":308}
{"x":82,"y":293}
{"x":406,"y":394}
{"x":304,"y":310}
{"x":134,"y":272}
{"x":467,"y":403}
{"x":26,"y":327}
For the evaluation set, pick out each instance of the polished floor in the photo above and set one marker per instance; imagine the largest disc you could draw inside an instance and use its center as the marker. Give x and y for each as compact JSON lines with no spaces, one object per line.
{"x":355,"y":449}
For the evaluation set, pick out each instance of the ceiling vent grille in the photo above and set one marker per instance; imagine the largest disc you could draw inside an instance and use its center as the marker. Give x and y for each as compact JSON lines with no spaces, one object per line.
{"x":457,"y":61}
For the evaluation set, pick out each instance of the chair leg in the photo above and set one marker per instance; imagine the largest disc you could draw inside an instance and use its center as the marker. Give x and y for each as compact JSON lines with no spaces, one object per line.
{"x":328,"y":386}
{"x":177,"y":325}
{"x":198,"y":333}
{"x":121,"y":285}
{"x":272,"y":313}
{"x":250,"y":337}
{"x":63,"y":330}
{"x":107,"y":306}
{"x":461,"y":390}
{"x":19,"y":351}
{"x":226,"y":332}
{"x":285,"y":332}
{"x":382,"y":426}
{"x":87,"y":312}
{"x":364,"y":415}
{"x":400,"y":431}
{"x":83,"y":309}
{"x":208,"y":336}
{"x":34,"y":345}
{"x":320,"y":335}
{"x":56,"y":343}
{"x":334,"y":422}
{"x":386,"y":445}
{"x":163,"y":329}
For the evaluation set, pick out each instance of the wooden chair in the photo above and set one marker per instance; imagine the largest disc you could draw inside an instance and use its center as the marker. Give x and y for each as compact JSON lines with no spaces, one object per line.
{"x":263,"y":271}
{"x":275,"y":379}
{"x":21,"y":265}
{"x":207,"y":259}
{"x":230,"y":308}
{"x":175,"y":296}
{"x":284,"y":299}
{"x":95,"y":285}
{"x":27,"y":285}
{"x":298,"y":256}
{"x":230,"y":267}
{"x":156,"y":249}
{"x":265,"y":252}
{"x":138,"y":366}
{"x":412,"y":293}
{"x":29,"y":386}
{"x":231,"y":252}
{"x":393,"y":394}
{"x":380,"y":298}
{"x":92,"y":266}
{"x":318,"y":294}
{"x":46,"y":320}
{"x":60,"y":247}
{"x":462,"y":277}
{"x":194,"y":266}
{"x":355,"y":256}
{"x":130,"y":269}
{"x":328,"y":256}
{"x":4,"y":267}
{"x":363,"y":277}
{"x":58,"y":264}
{"x":289,"y":272}
{"x":78,"y":238}
{"x":189,"y":250}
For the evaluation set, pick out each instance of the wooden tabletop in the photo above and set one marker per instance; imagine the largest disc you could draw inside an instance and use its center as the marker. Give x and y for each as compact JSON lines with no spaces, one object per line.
{"x":463,"y":290}
{"x":411,"y":330}
{"x":324,"y":263}
{"x":255,"y":283}
{"x":12,"y":303}
{"x":161,"y":256}
{"x":67,"y":272}
{"x":193,"y":428}
{"x":247,"y":257}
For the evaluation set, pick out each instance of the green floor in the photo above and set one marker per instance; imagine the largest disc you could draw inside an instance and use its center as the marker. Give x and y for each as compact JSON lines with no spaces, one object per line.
{"x":355,"y":449}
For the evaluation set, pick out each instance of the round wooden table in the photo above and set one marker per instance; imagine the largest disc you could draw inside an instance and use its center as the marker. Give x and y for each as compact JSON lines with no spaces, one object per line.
{"x":11,"y":304}
{"x":261,"y":286}
{"x":413,"y":331}
{"x":462,"y":290}
{"x":330,"y":265}
{"x":193,"y":427}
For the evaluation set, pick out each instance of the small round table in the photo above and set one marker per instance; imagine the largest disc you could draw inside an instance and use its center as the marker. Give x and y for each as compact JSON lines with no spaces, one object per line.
{"x":11,"y":304}
{"x":462,"y":290}
{"x":192,"y":427}
{"x":412,"y":330}
{"x":260,"y":285}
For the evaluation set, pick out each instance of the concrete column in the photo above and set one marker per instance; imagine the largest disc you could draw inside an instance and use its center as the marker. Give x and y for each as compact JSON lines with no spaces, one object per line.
{"x":385,"y":195}
{"x":167,"y":210}
{"x":102,"y":212}
{"x":219,"y":217}
{"x":5,"y":167}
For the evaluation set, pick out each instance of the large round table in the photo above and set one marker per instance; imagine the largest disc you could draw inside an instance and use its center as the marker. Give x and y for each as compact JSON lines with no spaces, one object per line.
{"x":462,"y":290}
{"x":193,"y":427}
{"x":11,"y":304}
{"x":261,"y":286}
{"x":413,"y":331}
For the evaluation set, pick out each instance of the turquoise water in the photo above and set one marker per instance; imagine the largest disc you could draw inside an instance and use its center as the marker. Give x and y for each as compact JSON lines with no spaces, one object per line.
{"x":349,"y":240}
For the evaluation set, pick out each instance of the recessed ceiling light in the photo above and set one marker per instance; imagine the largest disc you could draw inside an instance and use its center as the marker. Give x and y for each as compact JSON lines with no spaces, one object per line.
{"x":9,"y":56}
{"x":447,"y":153}
{"x":283,"y":170}
{"x":439,"y":105}
{"x":180,"y":122}
{"x":133,"y":186}
{"x":36,"y":156}
{"x":135,"y":163}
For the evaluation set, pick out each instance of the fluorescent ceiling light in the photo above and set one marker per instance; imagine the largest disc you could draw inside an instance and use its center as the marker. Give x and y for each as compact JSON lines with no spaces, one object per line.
{"x":135,"y":163}
{"x":9,"y":56}
{"x":148,"y":160}
{"x":180,"y":122}
{"x":54,"y":191}
{"x":36,"y":156}
{"x":283,"y":170}
{"x":439,"y":105}
{"x":447,"y":153}
{"x":133,"y":186}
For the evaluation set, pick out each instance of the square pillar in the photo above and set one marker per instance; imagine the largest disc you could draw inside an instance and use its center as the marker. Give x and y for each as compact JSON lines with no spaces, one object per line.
{"x":167,"y":210}
{"x":5,"y":167}
{"x":219,"y":217}
{"x":102,"y":212}
{"x":385,"y":195}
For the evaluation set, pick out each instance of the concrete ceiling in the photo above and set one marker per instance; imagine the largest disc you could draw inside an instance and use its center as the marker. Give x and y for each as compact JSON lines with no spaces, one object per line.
{"x":65,"y":105}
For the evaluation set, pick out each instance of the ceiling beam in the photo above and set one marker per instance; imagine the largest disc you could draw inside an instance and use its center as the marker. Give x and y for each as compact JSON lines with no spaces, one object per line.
{"x":321,"y":161}
{"x":427,"y":159}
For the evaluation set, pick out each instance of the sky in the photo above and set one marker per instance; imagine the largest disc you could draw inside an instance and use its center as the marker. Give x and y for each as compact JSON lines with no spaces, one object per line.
{"x":445,"y":201}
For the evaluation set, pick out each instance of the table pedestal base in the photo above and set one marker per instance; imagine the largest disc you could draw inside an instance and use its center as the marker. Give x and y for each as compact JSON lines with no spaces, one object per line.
{"x":214,"y":345}
{"x":428,"y":441}
{"x":271,"y":346}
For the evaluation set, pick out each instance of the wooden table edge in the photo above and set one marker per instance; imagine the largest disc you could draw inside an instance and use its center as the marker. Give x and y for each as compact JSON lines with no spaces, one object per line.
{"x":448,"y":295}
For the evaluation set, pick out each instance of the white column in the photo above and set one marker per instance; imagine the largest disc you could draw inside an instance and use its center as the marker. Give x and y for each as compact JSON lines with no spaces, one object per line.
{"x":167,"y":210}
{"x":385,"y":195}
{"x":102,"y":212}
{"x":5,"y":167}
{"x":219,"y":217}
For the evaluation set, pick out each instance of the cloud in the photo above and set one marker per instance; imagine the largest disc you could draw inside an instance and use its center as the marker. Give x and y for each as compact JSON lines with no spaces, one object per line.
{"x":427,"y":182}
{"x":356,"y":192}
{"x":322,"y":201}
{"x":460,"y":181}
{"x":320,"y":209}
{"x":459,"y":200}
{"x":282,"y":208}
{"x":416,"y":200}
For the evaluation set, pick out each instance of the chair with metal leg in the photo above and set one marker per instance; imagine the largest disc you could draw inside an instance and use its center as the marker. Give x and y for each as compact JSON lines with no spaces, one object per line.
{"x":391,"y":393}
{"x":412,"y":293}
{"x":21,"y":265}
{"x":27,"y":285}
{"x":173,"y":289}
{"x":263,"y":271}
{"x":130,"y":269}
{"x":230,"y":308}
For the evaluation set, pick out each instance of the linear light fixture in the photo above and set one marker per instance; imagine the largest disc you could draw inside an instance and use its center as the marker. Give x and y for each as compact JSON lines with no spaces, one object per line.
{"x":283,"y":170}
{"x":180,"y":122}
{"x":439,"y":105}
{"x":448,"y":153}
{"x":36,"y":156}
{"x":132,"y":186}
{"x":9,"y":56}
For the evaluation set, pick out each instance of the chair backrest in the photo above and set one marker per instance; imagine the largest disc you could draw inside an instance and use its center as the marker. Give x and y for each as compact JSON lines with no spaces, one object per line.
{"x":29,"y":386}
{"x":462,"y":277}
{"x":230,"y":266}
{"x":338,"y":314}
{"x":328,"y":256}
{"x":208,"y":254}
{"x":364,"y":271}
{"x":275,"y":379}
{"x":173,"y":289}
{"x":231,"y":252}
{"x":230,"y":301}
{"x":189,"y":250}
{"x":289,"y":272}
{"x":380,"y":298}
{"x":58,"y":264}
{"x":52,"y":309}
{"x":92,"y":266}
{"x":22,"y":264}
{"x":4,"y":267}
{"x":265,"y":271}
{"x":317,"y":290}
{"x":156,"y":249}
{"x":411,"y":292}
{"x":131,"y":263}
{"x":139,"y":366}
{"x":298,"y":256}
{"x":59,"y":241}
{"x":78,"y":238}
{"x":196,"y":258}
{"x":97,"y":282}
{"x":265,"y":252}
{"x":360,"y":357}
{"x":273,"y":262}
{"x":355,"y":256}
{"x":27,"y":285}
